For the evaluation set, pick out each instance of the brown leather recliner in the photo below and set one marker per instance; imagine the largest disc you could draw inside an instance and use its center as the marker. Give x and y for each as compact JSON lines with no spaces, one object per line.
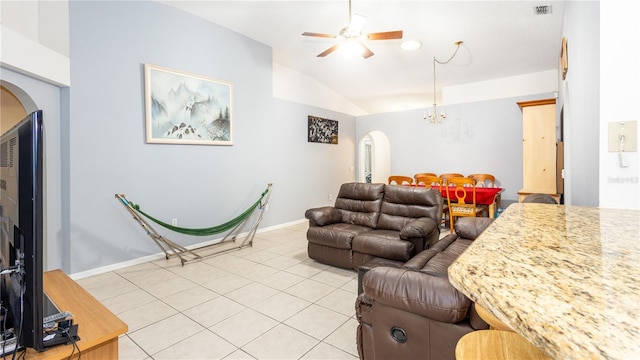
{"x":413,"y":311}
{"x":374,"y":221}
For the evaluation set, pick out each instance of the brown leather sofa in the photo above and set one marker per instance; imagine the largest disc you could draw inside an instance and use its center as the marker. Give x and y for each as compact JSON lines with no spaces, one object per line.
{"x":411,"y":311}
{"x":374,"y":221}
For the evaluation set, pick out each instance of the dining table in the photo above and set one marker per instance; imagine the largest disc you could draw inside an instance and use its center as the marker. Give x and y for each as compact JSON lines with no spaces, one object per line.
{"x":484,"y":196}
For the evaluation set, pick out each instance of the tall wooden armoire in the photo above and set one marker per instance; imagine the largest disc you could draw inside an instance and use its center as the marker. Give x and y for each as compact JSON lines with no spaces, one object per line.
{"x":538,"y":148}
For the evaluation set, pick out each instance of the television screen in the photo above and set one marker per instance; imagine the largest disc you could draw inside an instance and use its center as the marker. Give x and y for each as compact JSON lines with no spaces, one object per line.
{"x":21,"y":233}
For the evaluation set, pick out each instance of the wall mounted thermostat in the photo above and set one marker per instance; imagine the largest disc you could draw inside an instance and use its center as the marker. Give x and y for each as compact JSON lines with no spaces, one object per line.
{"x":623,"y":136}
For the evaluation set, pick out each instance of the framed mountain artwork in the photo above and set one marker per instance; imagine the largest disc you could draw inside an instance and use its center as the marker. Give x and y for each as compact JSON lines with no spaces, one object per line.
{"x":183,"y":108}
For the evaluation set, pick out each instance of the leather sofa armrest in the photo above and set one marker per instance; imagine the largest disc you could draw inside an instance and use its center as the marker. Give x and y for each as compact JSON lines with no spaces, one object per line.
{"x":418,"y":228}
{"x":417,"y":262}
{"x":323,"y":216}
{"x":412,"y":291}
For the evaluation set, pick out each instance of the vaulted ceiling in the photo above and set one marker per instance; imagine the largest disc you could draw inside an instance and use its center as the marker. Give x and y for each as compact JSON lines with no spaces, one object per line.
{"x":501,"y":39}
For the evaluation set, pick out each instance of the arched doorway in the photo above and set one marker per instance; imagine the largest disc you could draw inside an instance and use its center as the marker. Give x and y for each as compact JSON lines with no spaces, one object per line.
{"x":374,"y":157}
{"x":12,"y":105}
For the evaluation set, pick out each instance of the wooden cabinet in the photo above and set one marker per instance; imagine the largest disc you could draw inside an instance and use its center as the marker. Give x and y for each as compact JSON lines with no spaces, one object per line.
{"x":538,"y":148}
{"x":98,"y":327}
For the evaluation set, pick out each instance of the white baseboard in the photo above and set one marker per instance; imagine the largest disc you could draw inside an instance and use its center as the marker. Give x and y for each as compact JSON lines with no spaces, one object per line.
{"x":161,"y":255}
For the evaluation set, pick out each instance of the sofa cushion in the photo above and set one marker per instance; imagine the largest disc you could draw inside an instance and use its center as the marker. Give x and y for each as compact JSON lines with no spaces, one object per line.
{"x":439,"y":264}
{"x":335,"y":235}
{"x":383,"y":243}
{"x":402,"y":204}
{"x":360,"y":203}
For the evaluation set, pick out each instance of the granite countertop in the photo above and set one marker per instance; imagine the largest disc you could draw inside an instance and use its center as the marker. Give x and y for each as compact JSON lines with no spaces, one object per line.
{"x":567,"y":278}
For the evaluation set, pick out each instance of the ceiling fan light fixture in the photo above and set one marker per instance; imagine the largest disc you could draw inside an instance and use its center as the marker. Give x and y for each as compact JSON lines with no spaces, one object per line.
{"x":353,"y":32}
{"x":351,"y":48}
{"x":411,"y":45}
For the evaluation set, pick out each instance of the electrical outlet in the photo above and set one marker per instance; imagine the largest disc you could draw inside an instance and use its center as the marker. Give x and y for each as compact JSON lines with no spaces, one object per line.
{"x":330,"y":197}
{"x":174,"y":222}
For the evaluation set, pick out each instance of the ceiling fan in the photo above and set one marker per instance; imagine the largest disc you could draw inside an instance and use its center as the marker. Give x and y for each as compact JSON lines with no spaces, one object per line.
{"x":352,"y":34}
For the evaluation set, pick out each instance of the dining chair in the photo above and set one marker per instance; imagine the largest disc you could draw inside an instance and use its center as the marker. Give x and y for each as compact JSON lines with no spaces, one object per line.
{"x":461,"y":199}
{"x":429,"y":180}
{"x":484,"y":180}
{"x":400,"y":180}
{"x":423,"y":174}
{"x":434,"y":182}
{"x":448,"y":176}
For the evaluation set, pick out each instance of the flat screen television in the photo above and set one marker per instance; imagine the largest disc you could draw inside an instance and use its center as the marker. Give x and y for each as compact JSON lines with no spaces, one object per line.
{"x":21,"y":233}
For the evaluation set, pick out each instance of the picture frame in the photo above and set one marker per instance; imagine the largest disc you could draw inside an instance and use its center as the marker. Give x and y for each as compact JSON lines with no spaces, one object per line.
{"x":564,"y":59}
{"x":321,"y":130}
{"x":184,"y":108}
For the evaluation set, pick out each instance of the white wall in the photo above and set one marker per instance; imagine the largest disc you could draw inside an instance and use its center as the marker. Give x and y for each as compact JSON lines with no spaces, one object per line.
{"x":31,"y":31}
{"x":520,"y":85}
{"x":619,"y":99}
{"x":291,"y":85}
{"x":579,"y":96}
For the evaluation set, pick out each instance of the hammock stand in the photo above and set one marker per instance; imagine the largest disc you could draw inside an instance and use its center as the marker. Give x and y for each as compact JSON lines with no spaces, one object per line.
{"x":171,"y":248}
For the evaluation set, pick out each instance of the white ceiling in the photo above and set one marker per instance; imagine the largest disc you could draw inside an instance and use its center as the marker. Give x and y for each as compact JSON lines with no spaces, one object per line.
{"x":501,"y":39}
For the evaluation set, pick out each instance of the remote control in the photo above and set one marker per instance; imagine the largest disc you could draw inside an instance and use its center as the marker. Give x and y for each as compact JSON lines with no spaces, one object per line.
{"x":50,"y":321}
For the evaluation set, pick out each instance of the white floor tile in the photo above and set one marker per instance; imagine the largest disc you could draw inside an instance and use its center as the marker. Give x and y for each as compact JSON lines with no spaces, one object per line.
{"x":203,"y":345}
{"x":128,"y":301}
{"x":165,"y":333}
{"x":189,"y":298}
{"x":243,"y":327}
{"x":310,"y":290}
{"x":281,"y":342}
{"x":268,"y":301}
{"x":281,"y":306}
{"x":344,"y":338}
{"x":128,"y":350}
{"x":341,"y":301}
{"x":281,"y":280}
{"x":317,"y":321}
{"x":146,"y":314}
{"x":324,"y":351}
{"x":251,"y":294}
{"x":214,"y":311}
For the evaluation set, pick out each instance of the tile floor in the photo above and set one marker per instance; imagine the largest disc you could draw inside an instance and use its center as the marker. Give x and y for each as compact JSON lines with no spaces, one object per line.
{"x":268,"y":301}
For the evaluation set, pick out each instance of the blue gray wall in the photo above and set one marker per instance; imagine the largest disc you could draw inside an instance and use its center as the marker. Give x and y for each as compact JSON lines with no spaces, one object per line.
{"x":199,"y":185}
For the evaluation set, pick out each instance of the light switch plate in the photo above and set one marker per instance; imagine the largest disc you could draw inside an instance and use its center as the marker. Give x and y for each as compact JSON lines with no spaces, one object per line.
{"x":626,"y":129}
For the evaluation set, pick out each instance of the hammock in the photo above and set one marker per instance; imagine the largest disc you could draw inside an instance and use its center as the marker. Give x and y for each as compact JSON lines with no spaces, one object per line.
{"x":210,"y":230}
{"x":171,"y":248}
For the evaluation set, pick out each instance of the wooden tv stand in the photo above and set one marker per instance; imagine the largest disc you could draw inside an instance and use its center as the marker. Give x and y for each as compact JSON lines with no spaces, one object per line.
{"x":98,"y":327}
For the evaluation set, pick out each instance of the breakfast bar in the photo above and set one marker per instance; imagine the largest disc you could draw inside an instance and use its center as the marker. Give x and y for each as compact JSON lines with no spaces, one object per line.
{"x":566,"y":278}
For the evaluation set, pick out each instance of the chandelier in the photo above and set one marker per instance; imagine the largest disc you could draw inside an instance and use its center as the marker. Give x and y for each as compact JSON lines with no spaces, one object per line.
{"x":433,"y":115}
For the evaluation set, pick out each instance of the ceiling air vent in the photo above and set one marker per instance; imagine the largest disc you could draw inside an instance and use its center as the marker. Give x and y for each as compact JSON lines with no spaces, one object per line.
{"x":542,"y":9}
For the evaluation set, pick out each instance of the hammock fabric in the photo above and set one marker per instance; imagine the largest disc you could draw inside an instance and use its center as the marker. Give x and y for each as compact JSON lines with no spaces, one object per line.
{"x":210,"y":230}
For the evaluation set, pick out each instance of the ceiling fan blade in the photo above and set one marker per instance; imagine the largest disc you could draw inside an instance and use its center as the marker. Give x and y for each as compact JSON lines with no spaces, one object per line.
{"x":366,"y":53}
{"x":388,"y":35}
{"x":318,"y":35}
{"x":328,"y":51}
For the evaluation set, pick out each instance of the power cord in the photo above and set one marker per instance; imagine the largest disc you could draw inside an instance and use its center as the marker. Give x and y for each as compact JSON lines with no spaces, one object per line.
{"x":71,"y":339}
{"x":65,"y":331}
